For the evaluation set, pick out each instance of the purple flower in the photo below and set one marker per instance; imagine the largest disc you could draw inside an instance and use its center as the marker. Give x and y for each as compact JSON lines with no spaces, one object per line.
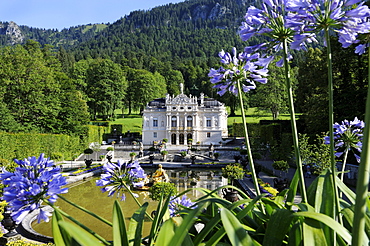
{"x":269,"y":22}
{"x":308,"y":17}
{"x":33,"y":181}
{"x":244,"y":67}
{"x":176,"y":204}
{"x":348,"y":136}
{"x":118,"y":177}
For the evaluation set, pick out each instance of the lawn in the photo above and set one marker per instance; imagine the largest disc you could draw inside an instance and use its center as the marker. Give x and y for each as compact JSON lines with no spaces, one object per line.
{"x":133,"y":122}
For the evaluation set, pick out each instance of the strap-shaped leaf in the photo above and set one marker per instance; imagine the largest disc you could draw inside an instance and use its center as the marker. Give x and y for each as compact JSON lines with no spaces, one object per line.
{"x":313,"y":233}
{"x":61,"y":237}
{"x":166,"y":233}
{"x":119,"y":226}
{"x":80,"y":235}
{"x":234,"y":229}
{"x":334,"y":225}
{"x":135,"y":230}
{"x":277,"y":227}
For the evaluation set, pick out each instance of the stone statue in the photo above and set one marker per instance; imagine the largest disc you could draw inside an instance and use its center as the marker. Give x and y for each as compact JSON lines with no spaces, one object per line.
{"x":181,"y":88}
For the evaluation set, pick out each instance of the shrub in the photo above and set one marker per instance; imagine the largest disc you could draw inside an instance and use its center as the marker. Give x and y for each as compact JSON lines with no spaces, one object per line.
{"x":164,"y":152}
{"x":88,"y":151}
{"x":281,"y":165}
{"x":233,"y":171}
{"x":132,"y":154}
{"x":162,"y":188}
{"x":216,"y":155}
{"x":183,"y":153}
{"x":110,"y":149}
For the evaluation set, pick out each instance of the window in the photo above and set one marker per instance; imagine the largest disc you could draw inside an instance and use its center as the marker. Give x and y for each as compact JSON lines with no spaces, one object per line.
{"x":155,"y":122}
{"x":173,"y":108}
{"x":189,"y":107}
{"x":189,"y":122}
{"x":208,"y":134}
{"x":208,"y":122}
{"x":174,"y":121}
{"x":154,"y":135}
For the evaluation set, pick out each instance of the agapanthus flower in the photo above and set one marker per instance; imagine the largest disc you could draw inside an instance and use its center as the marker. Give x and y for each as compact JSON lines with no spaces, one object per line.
{"x":177,"y":204}
{"x":120,"y":176}
{"x":347,"y":17}
{"x":34,"y":180}
{"x":348,"y":136}
{"x":269,"y":22}
{"x":244,"y":67}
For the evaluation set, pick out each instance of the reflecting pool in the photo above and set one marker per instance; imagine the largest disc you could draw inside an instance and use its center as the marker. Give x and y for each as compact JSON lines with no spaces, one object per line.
{"x":88,"y":195}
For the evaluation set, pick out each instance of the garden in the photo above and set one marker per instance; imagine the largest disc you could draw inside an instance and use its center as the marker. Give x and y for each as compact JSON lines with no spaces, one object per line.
{"x":329,"y":213}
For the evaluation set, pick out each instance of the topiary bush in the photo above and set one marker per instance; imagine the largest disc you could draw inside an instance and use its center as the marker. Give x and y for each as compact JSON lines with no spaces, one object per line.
{"x":162,"y":188}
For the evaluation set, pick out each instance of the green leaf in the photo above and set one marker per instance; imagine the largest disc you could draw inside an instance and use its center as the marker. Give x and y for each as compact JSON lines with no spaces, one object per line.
{"x":234,"y":229}
{"x":61,"y":237}
{"x":277,"y":227}
{"x":136,"y":225}
{"x":166,"y":233}
{"x":80,"y":235}
{"x":313,"y":233}
{"x":119,"y":226}
{"x":334,"y":225}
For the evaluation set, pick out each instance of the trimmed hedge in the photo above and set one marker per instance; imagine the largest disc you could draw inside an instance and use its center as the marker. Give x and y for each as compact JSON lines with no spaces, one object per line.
{"x":22,"y":145}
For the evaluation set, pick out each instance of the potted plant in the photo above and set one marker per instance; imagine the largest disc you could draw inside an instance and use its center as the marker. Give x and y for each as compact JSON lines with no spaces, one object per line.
{"x":132,"y":155}
{"x":232,"y":172}
{"x":282,"y":166}
{"x":110,"y":149}
{"x":216,"y":155}
{"x":183,"y":154}
{"x":164,"y":153}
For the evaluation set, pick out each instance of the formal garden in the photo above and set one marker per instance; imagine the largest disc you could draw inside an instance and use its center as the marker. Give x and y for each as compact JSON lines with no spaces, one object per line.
{"x":328,"y":212}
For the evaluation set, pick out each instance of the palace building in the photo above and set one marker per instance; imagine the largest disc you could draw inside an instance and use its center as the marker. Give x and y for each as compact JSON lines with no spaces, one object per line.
{"x":180,"y":118}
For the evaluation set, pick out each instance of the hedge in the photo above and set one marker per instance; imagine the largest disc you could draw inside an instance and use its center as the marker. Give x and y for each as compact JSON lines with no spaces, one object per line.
{"x":22,"y":145}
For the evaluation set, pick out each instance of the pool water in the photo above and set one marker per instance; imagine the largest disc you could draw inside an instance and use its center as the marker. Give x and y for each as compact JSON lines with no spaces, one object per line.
{"x":89,"y":196}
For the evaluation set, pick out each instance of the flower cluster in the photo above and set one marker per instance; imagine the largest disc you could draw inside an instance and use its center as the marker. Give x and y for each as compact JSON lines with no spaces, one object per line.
{"x":34,"y":180}
{"x":347,"y":17}
{"x":270,"y":22}
{"x":348,"y":136}
{"x":176,"y":204}
{"x":121,"y":176}
{"x":245,"y":68}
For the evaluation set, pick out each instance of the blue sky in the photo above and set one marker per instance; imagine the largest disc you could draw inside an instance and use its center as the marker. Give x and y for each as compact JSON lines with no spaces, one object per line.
{"x":66,"y":13}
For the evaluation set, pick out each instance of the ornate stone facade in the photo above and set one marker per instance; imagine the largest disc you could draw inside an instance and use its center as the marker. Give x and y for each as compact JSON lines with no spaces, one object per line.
{"x":180,"y":118}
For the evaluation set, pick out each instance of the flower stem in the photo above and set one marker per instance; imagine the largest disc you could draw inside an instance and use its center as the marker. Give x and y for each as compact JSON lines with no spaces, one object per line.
{"x":344,"y":164}
{"x":247,"y":144}
{"x":77,"y":222}
{"x":297,"y":152}
{"x":358,"y":230}
{"x":86,"y":211}
{"x":136,"y":200}
{"x":331,"y":123}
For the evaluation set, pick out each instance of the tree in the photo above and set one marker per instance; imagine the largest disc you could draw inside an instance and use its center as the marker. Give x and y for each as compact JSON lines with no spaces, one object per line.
{"x":143,"y":87}
{"x":272,"y":96}
{"x":106,"y":85}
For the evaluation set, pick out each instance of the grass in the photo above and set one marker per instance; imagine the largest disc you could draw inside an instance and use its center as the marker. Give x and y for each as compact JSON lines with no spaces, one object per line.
{"x":133,"y":122}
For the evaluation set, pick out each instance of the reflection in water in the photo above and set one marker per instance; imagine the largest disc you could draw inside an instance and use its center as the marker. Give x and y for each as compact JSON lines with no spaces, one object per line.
{"x":88,"y":195}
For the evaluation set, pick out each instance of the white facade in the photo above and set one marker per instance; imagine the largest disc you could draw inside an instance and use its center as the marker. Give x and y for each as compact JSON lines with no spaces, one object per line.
{"x":180,"y":118}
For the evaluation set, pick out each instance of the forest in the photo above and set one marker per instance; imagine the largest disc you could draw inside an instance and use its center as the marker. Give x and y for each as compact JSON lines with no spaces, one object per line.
{"x":57,"y":81}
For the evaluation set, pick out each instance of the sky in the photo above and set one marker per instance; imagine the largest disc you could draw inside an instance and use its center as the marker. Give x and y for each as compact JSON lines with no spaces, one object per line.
{"x":59,"y":14}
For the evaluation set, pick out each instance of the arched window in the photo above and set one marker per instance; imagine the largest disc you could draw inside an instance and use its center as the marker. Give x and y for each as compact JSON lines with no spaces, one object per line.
{"x":173,"y":139}
{"x":181,"y":139}
{"x":189,"y":121}
{"x":174,"y":121}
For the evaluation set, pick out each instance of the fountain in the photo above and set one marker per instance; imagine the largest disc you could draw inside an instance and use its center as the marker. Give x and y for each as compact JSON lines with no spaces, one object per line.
{"x":88,"y":195}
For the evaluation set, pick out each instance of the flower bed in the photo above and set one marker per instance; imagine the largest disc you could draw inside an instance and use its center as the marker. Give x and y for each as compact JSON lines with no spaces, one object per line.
{"x":85,"y":170}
